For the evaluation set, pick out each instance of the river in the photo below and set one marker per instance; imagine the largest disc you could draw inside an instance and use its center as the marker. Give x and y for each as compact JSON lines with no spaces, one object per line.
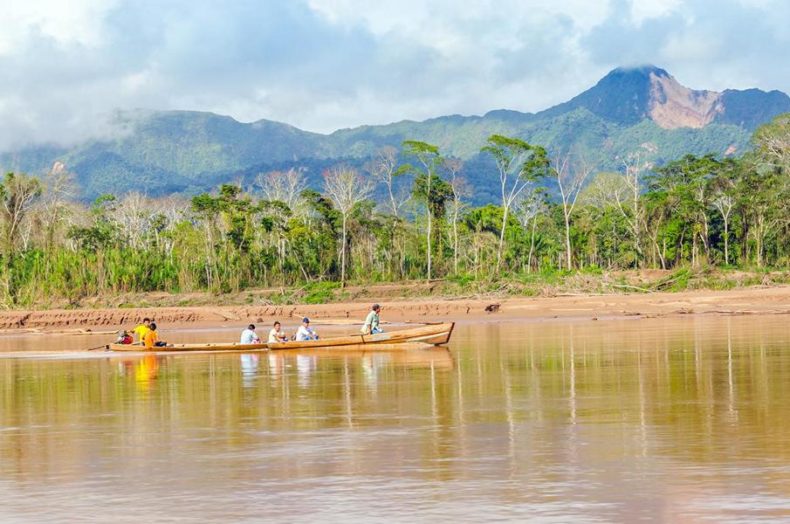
{"x":680,"y":419}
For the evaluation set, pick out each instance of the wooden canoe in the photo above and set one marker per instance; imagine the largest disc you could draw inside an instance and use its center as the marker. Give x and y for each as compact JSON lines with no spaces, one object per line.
{"x":433,"y":334}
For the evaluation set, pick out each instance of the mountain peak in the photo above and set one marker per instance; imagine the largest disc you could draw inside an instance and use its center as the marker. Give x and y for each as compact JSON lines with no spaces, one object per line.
{"x":628,"y":95}
{"x":637,"y":71}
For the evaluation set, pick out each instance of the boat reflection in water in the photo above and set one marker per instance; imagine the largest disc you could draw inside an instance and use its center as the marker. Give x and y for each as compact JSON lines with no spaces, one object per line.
{"x":305,"y":366}
{"x":308,"y":363}
{"x":250,"y":362}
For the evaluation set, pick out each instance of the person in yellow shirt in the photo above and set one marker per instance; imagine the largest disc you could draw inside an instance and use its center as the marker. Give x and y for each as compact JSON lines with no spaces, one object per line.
{"x":141,"y":329}
{"x":151,"y":339}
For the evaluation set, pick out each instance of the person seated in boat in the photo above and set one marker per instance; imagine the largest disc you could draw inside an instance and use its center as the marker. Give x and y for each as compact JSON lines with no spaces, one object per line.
{"x":151,"y":339}
{"x":372,"y":322}
{"x":141,"y":329}
{"x":124,"y":337}
{"x":249,"y":336}
{"x":305,"y":332}
{"x":276,"y":335}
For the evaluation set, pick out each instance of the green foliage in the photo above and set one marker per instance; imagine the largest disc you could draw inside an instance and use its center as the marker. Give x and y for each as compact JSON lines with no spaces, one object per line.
{"x":434,"y":193}
{"x":683,"y":217}
{"x":320,"y":292}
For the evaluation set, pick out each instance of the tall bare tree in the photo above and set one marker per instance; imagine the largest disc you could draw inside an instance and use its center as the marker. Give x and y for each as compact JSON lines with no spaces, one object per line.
{"x":55,"y":203}
{"x":724,"y":204}
{"x":345,"y":188}
{"x":570,"y":171}
{"x":629,"y":202}
{"x":528,"y":209}
{"x":133,"y":217}
{"x":18,"y":194}
{"x":459,"y":190}
{"x":383,"y":168}
{"x":283,"y":186}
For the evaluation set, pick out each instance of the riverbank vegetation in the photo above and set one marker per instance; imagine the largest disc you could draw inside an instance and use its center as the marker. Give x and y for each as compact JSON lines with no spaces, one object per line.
{"x":558,"y":218}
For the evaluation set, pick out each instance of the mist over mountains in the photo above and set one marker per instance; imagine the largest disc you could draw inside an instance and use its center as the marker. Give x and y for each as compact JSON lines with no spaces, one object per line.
{"x":164,"y":152}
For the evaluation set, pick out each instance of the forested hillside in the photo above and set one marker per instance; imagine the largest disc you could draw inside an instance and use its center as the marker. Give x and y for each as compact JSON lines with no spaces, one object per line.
{"x":181,"y":152}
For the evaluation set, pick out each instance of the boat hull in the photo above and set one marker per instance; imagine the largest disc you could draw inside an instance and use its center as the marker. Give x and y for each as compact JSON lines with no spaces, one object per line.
{"x":433,"y":334}
{"x":190,"y":347}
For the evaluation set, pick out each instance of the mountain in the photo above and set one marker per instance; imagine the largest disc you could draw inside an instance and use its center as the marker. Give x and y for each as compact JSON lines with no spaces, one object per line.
{"x":628,"y":109}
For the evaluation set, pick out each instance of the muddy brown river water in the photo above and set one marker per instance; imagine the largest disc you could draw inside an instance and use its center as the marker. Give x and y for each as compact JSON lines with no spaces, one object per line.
{"x":673,"y":420}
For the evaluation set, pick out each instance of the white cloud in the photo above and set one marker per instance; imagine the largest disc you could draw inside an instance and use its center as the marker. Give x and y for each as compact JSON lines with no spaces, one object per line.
{"x":642,"y":10}
{"x":326,"y":64}
{"x":691,"y":46}
{"x":67,"y":23}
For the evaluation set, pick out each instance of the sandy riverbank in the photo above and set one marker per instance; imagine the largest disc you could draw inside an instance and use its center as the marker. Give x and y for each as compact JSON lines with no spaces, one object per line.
{"x":747,"y":301}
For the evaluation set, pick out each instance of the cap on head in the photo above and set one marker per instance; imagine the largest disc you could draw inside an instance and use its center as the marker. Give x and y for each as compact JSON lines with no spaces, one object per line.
{"x":305,"y":320}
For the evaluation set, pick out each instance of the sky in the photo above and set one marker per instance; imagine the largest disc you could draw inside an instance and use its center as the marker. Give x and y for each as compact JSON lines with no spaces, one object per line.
{"x":68,"y":67}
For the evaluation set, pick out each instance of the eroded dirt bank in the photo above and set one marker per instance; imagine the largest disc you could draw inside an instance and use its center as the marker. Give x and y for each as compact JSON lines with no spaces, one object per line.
{"x":773,"y":300}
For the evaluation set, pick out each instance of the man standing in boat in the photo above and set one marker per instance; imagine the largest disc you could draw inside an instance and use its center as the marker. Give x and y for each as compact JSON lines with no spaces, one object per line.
{"x":372,"y":322}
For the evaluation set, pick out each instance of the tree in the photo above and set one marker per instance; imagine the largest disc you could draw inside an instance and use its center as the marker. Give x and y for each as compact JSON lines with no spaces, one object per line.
{"x":684,"y":187}
{"x":570,"y":171}
{"x":102,"y":232}
{"x":629,"y":202}
{"x":286,"y":187}
{"x":53,"y":207}
{"x":345,"y":188}
{"x":519,"y":164}
{"x":133,"y":218}
{"x":723,"y":199}
{"x":528,"y":208}
{"x":230,"y":222}
{"x":763,"y":202}
{"x":459,"y":189}
{"x":766,"y":183}
{"x":18,"y":193}
{"x":429,"y":160}
{"x":383,"y":167}
{"x":772,"y":142}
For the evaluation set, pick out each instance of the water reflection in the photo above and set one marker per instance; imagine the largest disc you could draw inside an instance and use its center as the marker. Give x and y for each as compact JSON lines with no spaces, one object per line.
{"x":636,"y":419}
{"x":305,"y":366}
{"x":146,"y":371}
{"x":249,"y":368}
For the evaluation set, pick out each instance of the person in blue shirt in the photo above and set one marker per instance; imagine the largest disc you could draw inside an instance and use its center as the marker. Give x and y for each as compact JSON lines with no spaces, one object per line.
{"x":305,"y":332}
{"x":249,"y":336}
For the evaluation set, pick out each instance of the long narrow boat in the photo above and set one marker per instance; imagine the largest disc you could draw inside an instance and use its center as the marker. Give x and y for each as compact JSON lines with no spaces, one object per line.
{"x":432,"y":334}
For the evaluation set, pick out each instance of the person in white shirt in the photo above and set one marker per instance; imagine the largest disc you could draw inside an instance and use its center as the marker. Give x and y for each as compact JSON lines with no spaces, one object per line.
{"x":275,"y":335}
{"x":304,"y":332}
{"x":249,"y":336}
{"x":371,"y":325}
